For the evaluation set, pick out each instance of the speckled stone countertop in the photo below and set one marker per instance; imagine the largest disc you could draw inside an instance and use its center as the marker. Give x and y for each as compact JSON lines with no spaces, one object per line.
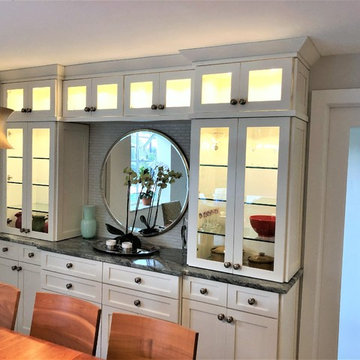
{"x":168,"y":261}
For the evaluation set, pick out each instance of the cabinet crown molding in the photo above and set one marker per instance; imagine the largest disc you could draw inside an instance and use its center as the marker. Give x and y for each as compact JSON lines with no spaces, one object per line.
{"x":301,"y":47}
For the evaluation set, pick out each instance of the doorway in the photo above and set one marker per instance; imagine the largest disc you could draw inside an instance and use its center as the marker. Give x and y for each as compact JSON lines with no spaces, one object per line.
{"x":332,"y":217}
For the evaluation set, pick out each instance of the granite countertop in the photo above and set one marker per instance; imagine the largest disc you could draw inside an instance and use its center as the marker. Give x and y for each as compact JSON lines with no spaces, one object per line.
{"x":167,"y":261}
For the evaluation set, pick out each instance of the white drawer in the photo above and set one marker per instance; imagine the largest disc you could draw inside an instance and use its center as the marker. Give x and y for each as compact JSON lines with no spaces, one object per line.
{"x":147,"y":281}
{"x":72,"y":286}
{"x":141,"y":303}
{"x":208,"y":291}
{"x":253,"y":301}
{"x":9,"y":250}
{"x":29,"y":254}
{"x":75,"y":266}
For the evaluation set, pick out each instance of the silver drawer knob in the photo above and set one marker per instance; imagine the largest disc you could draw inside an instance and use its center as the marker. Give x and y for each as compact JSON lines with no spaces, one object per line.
{"x":229,"y":319}
{"x":221,"y":317}
{"x":137,"y":302}
{"x":68,"y":286}
{"x":31,"y":254}
{"x":203,"y":291}
{"x":137,"y":280}
{"x":69,"y":265}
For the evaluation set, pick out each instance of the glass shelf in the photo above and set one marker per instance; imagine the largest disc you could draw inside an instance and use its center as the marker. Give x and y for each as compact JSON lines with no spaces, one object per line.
{"x":14,"y":157}
{"x":261,"y":167}
{"x":40,"y":158}
{"x":259,"y":204}
{"x":214,"y":165}
{"x":209,"y":199}
{"x":45,"y":185}
{"x":209,"y":233}
{"x":15,"y":182}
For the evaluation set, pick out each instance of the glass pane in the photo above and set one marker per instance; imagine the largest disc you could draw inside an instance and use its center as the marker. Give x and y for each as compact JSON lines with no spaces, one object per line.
{"x":41,"y":98}
{"x":260,"y":193}
{"x":14,"y":176}
{"x":178,"y":93}
{"x":76,"y":98}
{"x":107,"y":96}
{"x":141,"y":94}
{"x":214,"y":144}
{"x":265,"y":85}
{"x":216,"y":88}
{"x":40,"y":179}
{"x":15,"y":99}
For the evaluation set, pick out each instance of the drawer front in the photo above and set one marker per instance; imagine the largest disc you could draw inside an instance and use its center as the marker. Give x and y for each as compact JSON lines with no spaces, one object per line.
{"x":211,"y":292}
{"x":72,"y":286}
{"x":29,"y":254}
{"x":146,"y":281}
{"x":141,"y":303}
{"x":253,"y":301}
{"x":70,"y":265}
{"x":9,"y":250}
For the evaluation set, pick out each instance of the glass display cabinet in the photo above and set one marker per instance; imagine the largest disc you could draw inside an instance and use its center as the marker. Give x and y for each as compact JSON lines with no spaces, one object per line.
{"x":158,"y":94}
{"x":31,"y":206}
{"x":93,"y":97}
{"x":245,"y":206}
{"x":249,"y":86}
{"x":34,"y":100}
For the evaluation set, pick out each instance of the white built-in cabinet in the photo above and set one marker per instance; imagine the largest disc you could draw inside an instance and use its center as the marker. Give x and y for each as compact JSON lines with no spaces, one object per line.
{"x":93,"y":97}
{"x":240,"y":323}
{"x":38,"y":100}
{"x":239,"y":168}
{"x":20,"y":267}
{"x":157,"y":94}
{"x":275,"y":85}
{"x":44,"y":182}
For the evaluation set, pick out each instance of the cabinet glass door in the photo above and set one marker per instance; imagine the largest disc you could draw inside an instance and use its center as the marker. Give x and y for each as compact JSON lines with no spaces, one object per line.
{"x":40,"y":179}
{"x":41,"y":98}
{"x":14,"y":98}
{"x":215,"y":86}
{"x":141,"y":92}
{"x":14,"y":178}
{"x":260,"y":196}
{"x":266,"y":84}
{"x":77,"y":97}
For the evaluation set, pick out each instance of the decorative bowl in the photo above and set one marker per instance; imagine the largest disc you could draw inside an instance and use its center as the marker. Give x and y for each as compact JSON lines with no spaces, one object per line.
{"x":264,"y":225}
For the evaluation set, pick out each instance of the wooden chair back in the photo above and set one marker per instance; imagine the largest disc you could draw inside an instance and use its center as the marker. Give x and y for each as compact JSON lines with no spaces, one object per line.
{"x":9,"y":303}
{"x":66,"y":321}
{"x":137,"y":337}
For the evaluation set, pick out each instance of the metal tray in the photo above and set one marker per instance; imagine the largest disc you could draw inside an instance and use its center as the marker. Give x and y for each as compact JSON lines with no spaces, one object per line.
{"x":144,"y":251}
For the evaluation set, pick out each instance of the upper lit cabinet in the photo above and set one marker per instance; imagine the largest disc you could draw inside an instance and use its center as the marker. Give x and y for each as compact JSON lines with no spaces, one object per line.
{"x":261,"y":85}
{"x":245,"y":208}
{"x":44,"y":182}
{"x":33,"y":100}
{"x":158,"y":94}
{"x":96,"y":97}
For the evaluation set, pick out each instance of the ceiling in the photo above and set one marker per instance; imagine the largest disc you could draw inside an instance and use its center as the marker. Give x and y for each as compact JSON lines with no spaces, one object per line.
{"x":37,"y":33}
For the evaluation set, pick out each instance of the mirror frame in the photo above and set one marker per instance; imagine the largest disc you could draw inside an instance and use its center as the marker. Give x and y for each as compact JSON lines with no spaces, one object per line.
{"x":186,"y":165}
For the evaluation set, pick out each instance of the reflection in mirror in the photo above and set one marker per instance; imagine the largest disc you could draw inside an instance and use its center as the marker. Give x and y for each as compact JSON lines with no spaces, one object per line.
{"x":145,"y":151}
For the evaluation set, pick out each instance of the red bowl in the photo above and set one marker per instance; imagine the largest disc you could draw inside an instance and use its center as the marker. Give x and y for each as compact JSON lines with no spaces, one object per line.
{"x":264,"y":225}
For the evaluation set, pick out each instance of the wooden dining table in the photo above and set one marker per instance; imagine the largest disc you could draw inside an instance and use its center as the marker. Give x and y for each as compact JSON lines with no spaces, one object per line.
{"x":16,"y":346}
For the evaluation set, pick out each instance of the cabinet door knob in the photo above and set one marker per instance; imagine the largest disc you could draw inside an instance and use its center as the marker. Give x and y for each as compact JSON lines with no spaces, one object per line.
{"x":69,"y":265}
{"x":137,"y":302}
{"x":26,"y":231}
{"x":153,"y":107}
{"x":161,"y":107}
{"x":31,"y":254}
{"x":28,"y":110}
{"x":227,"y":264}
{"x":19,"y":268}
{"x":242,"y":101}
{"x":5,"y":249}
{"x":92,"y":108}
{"x":251,"y":301}
{"x":86,"y":109}
{"x":22,"y":230}
{"x":203,"y":291}
{"x":68,"y":286}
{"x":233,"y":101}
{"x":237,"y":266}
{"x":221,"y":317}
{"x":14,"y":267}
{"x":137,"y":280}
{"x":229,"y":319}
{"x":23,"y":110}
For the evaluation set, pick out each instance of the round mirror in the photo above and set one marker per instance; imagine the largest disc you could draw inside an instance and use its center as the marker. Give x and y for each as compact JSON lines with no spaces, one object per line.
{"x":145,"y":178}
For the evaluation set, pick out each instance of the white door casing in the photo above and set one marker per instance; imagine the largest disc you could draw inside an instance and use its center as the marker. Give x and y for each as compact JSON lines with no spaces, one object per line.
{"x":333,"y":112}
